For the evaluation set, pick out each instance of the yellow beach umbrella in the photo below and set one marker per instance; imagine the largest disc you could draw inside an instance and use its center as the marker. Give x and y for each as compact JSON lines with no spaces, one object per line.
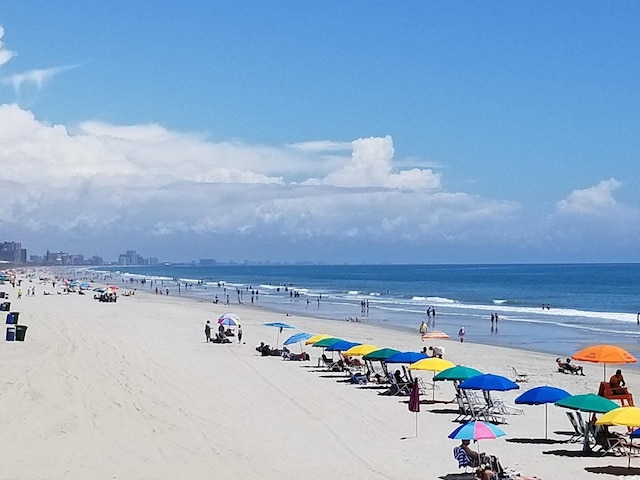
{"x":433,"y":364}
{"x":360,"y":350}
{"x":316,"y":338}
{"x":623,"y":416}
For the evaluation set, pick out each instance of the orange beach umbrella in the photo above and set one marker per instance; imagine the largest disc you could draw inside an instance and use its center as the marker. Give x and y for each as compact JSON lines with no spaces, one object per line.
{"x":604,"y":354}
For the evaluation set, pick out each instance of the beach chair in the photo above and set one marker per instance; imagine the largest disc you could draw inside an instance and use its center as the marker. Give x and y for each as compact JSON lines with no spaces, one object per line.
{"x":330,"y":364}
{"x":578,"y":427}
{"x":480,"y":410}
{"x":500,"y":406}
{"x":520,"y":377}
{"x":397,"y":388}
{"x":605,"y":442}
{"x":464,"y":460}
{"x":356,"y":377}
{"x":464,"y":413}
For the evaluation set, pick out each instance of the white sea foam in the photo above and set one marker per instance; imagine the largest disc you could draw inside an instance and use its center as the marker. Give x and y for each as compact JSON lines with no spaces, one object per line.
{"x":500,"y":302}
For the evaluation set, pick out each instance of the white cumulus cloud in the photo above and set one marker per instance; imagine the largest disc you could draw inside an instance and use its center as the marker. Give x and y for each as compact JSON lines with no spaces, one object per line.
{"x":371,"y":165}
{"x":5,"y":54}
{"x":139,"y":183}
{"x":589,"y":201}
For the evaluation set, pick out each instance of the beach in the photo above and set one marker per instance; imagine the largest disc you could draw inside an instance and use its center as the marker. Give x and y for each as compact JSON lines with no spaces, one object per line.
{"x":130,"y":390}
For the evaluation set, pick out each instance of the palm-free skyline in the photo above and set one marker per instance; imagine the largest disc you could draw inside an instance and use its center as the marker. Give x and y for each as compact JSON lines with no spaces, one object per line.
{"x":421,"y":132}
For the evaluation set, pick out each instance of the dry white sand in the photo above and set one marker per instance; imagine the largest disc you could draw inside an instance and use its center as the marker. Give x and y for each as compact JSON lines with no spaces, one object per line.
{"x":130,"y":390}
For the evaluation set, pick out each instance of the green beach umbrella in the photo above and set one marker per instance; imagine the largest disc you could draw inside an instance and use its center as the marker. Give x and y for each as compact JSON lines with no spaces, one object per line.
{"x":381,"y":354}
{"x":588,"y":402}
{"x":459,"y":372}
{"x":327,"y":342}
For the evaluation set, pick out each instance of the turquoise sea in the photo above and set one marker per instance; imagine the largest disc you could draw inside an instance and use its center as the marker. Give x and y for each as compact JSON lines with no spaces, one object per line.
{"x":587,"y":303}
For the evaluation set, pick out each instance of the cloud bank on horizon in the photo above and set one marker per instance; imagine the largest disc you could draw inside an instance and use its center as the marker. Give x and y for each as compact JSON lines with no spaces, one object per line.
{"x":110,"y":187}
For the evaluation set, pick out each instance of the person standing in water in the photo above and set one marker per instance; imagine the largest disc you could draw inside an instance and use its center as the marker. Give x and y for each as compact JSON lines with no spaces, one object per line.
{"x":461,"y":334}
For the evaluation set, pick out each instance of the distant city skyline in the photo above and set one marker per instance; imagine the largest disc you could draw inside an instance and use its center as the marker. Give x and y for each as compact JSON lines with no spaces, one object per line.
{"x":427,"y":132}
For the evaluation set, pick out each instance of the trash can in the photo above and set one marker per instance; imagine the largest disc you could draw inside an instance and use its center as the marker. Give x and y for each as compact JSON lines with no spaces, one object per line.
{"x":3,"y":295}
{"x":5,"y":306}
{"x":21,"y":331}
{"x":11,"y":334}
{"x":12,"y":318}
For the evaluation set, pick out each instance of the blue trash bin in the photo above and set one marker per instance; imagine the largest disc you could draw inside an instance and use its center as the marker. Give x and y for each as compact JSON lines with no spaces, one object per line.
{"x":12,"y":318}
{"x":11,"y":334}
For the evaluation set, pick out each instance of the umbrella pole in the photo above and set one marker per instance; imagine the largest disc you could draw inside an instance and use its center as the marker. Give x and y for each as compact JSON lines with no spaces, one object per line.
{"x":546,"y":437}
{"x":417,"y":427}
{"x":433,"y":387}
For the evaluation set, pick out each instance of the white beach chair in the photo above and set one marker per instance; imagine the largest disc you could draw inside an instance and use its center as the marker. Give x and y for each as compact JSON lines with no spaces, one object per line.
{"x":520,"y":377}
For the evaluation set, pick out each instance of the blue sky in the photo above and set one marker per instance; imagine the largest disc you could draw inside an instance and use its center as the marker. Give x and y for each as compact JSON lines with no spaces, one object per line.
{"x":335,"y":131}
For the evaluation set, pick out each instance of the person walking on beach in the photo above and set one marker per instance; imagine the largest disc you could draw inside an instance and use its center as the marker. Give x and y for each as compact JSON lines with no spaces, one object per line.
{"x":423,"y":328}
{"x":239,"y":334}
{"x":461,"y":334}
{"x":207,"y":331}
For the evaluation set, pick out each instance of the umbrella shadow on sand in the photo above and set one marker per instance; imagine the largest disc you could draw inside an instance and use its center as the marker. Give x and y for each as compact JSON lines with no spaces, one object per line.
{"x":458,"y":476}
{"x":571,"y":453}
{"x":424,"y":401}
{"x":537,"y":441}
{"x":451,"y":411}
{"x":614,"y":470}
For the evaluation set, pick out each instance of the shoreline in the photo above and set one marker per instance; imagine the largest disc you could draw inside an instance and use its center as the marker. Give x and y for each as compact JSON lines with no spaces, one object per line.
{"x":135,"y":381}
{"x":528,"y":329}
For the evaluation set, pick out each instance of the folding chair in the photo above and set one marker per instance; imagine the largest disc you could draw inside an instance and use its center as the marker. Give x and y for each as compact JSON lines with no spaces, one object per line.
{"x":520,"y":377}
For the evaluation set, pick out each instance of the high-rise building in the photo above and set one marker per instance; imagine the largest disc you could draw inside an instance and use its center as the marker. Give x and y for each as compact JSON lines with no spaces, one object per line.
{"x":13,"y":252}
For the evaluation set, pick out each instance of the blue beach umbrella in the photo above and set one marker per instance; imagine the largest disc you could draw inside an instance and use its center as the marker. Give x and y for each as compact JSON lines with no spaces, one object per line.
{"x":406,"y":357}
{"x":297,"y":337}
{"x":542,"y":395}
{"x":341,"y":346}
{"x":488,"y":382}
{"x":403,"y":357}
{"x":280,"y":326}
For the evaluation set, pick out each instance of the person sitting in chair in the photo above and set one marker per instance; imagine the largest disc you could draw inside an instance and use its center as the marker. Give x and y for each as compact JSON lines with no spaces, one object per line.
{"x":574,"y":368}
{"x":617,"y":383}
{"x":567,"y":367}
{"x":466,"y":456}
{"x":398,"y":376}
{"x":471,"y":458}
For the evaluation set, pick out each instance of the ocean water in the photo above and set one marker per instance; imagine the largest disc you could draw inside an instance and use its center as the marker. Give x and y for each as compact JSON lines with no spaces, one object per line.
{"x":588,"y":303}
